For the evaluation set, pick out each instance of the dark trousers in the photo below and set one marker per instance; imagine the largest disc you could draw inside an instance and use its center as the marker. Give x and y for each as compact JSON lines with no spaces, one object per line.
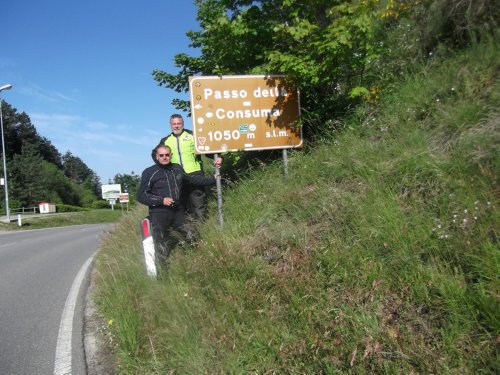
{"x":168,"y":224}
{"x":195,"y":199}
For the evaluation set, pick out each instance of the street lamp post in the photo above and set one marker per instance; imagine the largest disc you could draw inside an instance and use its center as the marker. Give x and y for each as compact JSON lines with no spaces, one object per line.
{"x":7,"y":210}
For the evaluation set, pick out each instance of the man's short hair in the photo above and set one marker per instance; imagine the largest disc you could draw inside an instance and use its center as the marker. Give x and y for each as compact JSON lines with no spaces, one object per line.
{"x":161,"y":145}
{"x":176,"y":115}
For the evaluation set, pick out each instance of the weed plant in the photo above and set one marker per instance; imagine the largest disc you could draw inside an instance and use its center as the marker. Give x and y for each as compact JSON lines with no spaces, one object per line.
{"x":377,"y":255}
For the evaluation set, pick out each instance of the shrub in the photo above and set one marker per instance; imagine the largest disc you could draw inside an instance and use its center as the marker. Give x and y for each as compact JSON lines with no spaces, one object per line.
{"x":96,"y":205}
{"x":69,"y":208}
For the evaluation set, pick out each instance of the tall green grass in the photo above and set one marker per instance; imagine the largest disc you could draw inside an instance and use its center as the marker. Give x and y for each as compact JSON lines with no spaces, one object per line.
{"x":377,"y":255}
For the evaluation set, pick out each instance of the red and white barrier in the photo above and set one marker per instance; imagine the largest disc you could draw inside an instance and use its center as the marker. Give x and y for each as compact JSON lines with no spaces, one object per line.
{"x":149,"y":247}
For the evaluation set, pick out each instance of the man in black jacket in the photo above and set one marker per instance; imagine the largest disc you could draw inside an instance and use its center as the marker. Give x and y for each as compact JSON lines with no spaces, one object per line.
{"x":160,"y":190}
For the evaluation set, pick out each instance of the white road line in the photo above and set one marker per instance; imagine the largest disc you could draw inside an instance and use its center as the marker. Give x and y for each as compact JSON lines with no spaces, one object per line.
{"x":7,"y":244}
{"x":62,"y":363}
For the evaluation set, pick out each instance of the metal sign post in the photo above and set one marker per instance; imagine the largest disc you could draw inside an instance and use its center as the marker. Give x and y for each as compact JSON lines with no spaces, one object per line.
{"x":112,"y":203}
{"x":219,"y":194}
{"x":285,"y":162}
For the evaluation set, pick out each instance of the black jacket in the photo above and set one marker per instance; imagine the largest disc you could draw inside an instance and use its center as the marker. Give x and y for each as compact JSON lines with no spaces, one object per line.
{"x":165,"y":181}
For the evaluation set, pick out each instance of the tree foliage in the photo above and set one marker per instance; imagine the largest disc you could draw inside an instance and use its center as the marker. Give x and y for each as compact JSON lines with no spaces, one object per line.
{"x":335,"y":51}
{"x":25,"y":175}
{"x":78,"y":172}
{"x":339,"y":53}
{"x":19,"y":130}
{"x":37,"y":172}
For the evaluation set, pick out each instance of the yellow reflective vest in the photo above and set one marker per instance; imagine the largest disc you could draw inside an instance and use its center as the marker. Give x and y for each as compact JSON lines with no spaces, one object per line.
{"x":182,"y":147}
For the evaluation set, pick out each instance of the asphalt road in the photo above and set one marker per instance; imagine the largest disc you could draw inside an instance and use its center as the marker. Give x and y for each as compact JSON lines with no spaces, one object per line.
{"x":43,"y":281}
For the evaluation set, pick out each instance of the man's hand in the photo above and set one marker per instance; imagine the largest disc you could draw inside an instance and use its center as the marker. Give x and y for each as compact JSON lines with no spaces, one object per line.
{"x":168,"y":201}
{"x":218,"y":162}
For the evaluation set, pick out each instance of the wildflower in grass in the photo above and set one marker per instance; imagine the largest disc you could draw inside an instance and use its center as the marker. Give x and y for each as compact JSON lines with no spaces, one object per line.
{"x":373,"y":97}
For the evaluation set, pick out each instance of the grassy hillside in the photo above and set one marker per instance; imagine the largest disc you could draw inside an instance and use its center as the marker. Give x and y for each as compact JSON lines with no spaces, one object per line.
{"x":377,"y":255}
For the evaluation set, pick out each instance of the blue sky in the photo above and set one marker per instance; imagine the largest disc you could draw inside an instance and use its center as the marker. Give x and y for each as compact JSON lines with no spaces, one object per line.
{"x":81,"y":69}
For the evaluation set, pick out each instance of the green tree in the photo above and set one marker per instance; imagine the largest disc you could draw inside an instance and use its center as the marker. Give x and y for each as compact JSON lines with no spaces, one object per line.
{"x":19,"y":130}
{"x":25,"y":176}
{"x":58,"y":188}
{"x":35,"y":168}
{"x":129,"y":183}
{"x":323,"y":45}
{"x":34,"y":180}
{"x":338,"y":52}
{"x":74,"y":168}
{"x":77,"y":171}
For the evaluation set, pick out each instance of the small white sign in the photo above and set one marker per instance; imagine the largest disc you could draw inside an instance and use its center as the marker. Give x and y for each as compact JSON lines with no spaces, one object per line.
{"x":111,"y":191}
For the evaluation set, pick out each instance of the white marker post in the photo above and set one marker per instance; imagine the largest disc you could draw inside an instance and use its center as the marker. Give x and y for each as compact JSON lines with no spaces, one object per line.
{"x":149,"y":247}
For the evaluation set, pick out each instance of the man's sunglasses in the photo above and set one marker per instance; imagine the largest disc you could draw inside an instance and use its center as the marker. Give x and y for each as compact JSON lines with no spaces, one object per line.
{"x":163,"y":155}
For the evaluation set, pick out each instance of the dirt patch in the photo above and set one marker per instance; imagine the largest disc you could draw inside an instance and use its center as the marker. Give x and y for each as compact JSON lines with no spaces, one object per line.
{"x":100,"y":355}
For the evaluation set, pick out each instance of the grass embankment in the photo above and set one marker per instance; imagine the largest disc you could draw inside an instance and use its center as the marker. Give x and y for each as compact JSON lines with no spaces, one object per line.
{"x":378,"y":254}
{"x":64,"y":219}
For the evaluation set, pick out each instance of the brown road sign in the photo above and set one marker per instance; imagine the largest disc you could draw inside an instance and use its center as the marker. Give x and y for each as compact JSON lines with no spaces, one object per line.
{"x":246,"y":113}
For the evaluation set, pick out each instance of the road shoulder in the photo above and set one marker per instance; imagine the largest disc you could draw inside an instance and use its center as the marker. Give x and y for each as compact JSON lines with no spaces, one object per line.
{"x":99,"y":352}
